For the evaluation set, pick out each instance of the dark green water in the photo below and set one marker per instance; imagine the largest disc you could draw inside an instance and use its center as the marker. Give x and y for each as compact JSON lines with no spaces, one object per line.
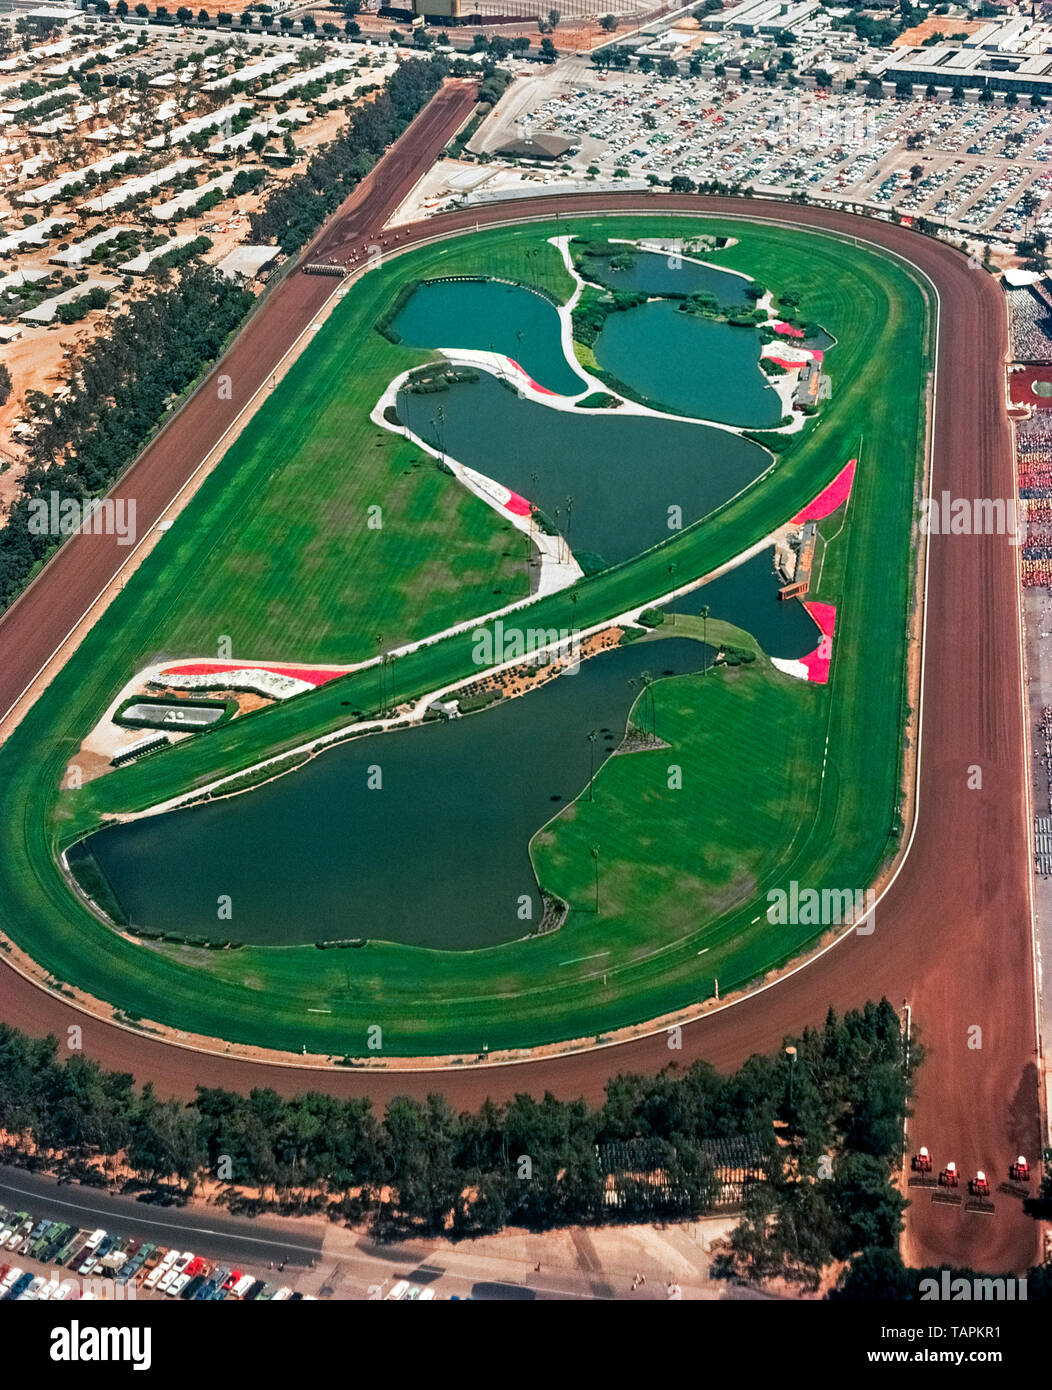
{"x":491,"y":316}
{"x":624,"y":472}
{"x":436,"y":857}
{"x":689,"y":363}
{"x":656,"y":272}
{"x":748,"y":597}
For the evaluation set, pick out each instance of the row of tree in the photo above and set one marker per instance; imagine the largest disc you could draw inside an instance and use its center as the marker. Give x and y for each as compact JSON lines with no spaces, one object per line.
{"x":117,"y":389}
{"x":822,"y":1126}
{"x":294,"y":211}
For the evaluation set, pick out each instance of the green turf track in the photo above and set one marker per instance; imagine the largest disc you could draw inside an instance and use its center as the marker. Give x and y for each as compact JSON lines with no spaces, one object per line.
{"x":753,"y":808}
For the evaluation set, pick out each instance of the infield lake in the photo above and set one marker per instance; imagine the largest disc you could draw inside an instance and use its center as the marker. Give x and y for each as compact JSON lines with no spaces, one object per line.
{"x":689,"y":364}
{"x":437,"y":855}
{"x":660,"y":273}
{"x":491,"y":316}
{"x":624,"y":472}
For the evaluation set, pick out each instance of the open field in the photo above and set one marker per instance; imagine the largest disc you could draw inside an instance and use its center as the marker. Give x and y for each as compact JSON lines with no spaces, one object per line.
{"x":431,"y":1002}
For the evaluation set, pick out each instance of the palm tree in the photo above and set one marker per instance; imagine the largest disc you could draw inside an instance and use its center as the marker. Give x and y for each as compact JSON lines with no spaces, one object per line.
{"x":703,"y":614}
{"x":595,"y":856}
{"x":591,"y":763}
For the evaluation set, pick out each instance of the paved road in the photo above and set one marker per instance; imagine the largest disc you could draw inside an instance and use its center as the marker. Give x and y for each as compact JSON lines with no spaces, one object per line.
{"x":211,"y":1233}
{"x":953,"y":932}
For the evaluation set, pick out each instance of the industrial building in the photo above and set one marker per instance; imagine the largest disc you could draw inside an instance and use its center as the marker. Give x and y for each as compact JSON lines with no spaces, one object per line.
{"x":1007,"y":56}
{"x":761,"y":16}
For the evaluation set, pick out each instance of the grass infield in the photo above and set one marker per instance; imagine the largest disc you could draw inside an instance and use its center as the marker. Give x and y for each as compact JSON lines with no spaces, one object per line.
{"x":274,"y":552}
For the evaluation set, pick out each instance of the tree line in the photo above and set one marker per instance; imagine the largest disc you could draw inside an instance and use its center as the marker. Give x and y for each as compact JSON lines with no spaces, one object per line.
{"x":117,"y":388}
{"x":823,"y":1128}
{"x":293,"y":213}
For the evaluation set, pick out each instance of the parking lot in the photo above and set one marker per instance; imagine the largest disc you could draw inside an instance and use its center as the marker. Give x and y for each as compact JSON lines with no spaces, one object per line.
{"x":54,"y":1261}
{"x":958,"y":163}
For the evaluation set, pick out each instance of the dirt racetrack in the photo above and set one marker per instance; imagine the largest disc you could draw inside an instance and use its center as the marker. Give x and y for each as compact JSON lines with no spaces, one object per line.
{"x":953,"y":933}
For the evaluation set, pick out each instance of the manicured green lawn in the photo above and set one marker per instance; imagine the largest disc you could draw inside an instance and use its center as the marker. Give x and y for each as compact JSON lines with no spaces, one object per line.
{"x":284,"y":514}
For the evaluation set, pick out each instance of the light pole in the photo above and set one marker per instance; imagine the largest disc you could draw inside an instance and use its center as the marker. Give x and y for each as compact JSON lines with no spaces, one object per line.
{"x":648,"y":700}
{"x":704,"y":615}
{"x":439,"y":426}
{"x":790,"y":1052}
{"x":595,"y":858}
{"x":591,"y":763}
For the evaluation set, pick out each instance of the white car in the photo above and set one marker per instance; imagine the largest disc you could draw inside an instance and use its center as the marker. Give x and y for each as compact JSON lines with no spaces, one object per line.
{"x":159,"y":1271}
{"x":399,"y":1290}
{"x":242,"y":1286}
{"x":19,"y":1238}
{"x":177,"y":1285}
{"x":426,"y":1296}
{"x":174,"y":1271}
{"x":281,"y":1295}
{"x":10,"y":1279}
{"x":33,"y":1291}
{"x":92,"y":1243}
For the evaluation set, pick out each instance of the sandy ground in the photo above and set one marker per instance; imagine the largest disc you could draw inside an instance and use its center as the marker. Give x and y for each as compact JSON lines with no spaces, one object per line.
{"x":936,"y":24}
{"x":35,"y":362}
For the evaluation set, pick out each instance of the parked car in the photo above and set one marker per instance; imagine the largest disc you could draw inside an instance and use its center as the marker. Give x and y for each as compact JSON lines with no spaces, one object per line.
{"x":174,"y":1270}
{"x":87,"y":1254}
{"x":159,"y":1271}
{"x":18,"y":1236}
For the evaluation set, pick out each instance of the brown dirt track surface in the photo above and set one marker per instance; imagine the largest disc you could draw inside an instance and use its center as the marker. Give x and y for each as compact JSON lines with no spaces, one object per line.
{"x":953,"y":932}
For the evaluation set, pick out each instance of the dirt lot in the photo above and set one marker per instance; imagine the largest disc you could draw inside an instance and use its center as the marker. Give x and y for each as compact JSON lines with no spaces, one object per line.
{"x":927,"y":28}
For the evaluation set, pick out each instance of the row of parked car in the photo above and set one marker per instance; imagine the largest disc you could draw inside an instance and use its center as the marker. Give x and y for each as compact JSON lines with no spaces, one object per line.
{"x":403,"y":1291}
{"x":98,"y":1255}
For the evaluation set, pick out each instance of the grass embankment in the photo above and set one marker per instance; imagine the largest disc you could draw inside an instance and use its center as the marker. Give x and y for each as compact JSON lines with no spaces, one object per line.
{"x":753,"y":811}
